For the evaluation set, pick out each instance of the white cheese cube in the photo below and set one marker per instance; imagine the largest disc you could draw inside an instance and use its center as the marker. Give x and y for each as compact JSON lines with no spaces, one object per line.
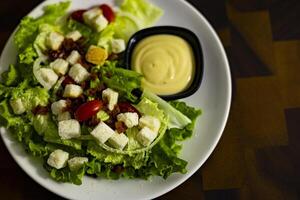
{"x":130,"y":119}
{"x":90,"y":15}
{"x":64,"y":116}
{"x":73,"y":57}
{"x":74,"y":35}
{"x":118,"y":45}
{"x":100,"y":23}
{"x":118,"y":140}
{"x":58,"y":159}
{"x":17,"y":106}
{"x":102,"y":132}
{"x":151,"y":122}
{"x":72,"y":91}
{"x":78,"y":73}
{"x":47,"y":77}
{"x":146,"y":136}
{"x":54,"y":40}
{"x":111,"y":96}
{"x":68,"y":129}
{"x":60,"y":66}
{"x":58,"y":106}
{"x":77,"y":162}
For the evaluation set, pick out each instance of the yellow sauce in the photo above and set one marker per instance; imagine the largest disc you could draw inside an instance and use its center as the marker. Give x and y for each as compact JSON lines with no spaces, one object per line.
{"x":167,"y":63}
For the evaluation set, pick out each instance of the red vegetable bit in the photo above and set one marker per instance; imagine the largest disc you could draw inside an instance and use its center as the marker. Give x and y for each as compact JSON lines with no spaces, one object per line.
{"x":88,"y":110}
{"x":78,"y":15}
{"x":108,"y":12}
{"x":67,"y":80}
{"x":120,"y":127}
{"x":127,"y":107}
{"x":40,"y":110}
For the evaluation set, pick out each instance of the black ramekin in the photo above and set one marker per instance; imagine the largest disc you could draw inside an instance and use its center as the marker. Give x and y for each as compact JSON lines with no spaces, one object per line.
{"x":184,"y":33}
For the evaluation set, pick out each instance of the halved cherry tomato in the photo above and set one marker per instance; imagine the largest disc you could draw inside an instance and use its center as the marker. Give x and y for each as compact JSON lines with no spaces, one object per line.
{"x":108,"y":12}
{"x":88,"y":110}
{"x":78,"y":15}
{"x":67,"y":80}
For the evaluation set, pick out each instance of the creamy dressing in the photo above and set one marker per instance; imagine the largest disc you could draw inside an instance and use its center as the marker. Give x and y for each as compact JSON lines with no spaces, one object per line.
{"x":166,"y":62}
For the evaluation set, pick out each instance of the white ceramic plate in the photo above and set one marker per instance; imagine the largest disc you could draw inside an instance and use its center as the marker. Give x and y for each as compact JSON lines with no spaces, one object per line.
{"x":213,"y":98}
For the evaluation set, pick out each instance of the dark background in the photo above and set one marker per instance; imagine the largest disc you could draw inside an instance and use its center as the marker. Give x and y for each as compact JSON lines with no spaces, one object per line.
{"x":258,"y":156}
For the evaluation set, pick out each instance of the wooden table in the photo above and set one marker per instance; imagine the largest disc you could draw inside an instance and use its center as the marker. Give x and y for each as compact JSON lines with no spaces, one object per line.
{"x":258,"y":156}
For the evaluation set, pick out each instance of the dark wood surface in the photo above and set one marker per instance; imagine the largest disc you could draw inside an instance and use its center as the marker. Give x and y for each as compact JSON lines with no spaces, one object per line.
{"x":258,"y":156}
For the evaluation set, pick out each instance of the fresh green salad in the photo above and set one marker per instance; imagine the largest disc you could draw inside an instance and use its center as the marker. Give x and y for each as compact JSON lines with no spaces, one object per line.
{"x":69,"y":101}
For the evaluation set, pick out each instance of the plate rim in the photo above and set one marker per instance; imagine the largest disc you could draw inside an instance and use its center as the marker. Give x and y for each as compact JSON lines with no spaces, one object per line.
{"x":209,"y":151}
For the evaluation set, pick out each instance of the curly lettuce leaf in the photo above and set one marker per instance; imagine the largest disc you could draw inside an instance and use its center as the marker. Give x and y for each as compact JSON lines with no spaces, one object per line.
{"x":146,"y":12}
{"x":135,"y":15}
{"x":10,"y":77}
{"x":27,"y":32}
{"x":192,"y":113}
{"x":66,"y":175}
{"x":177,"y":118}
{"x":46,"y":127}
{"x":136,"y":160}
{"x":122,"y":80}
{"x":28,"y":27}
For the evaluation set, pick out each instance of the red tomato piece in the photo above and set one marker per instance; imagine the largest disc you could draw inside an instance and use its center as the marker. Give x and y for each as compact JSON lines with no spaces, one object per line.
{"x":67,"y":80}
{"x":88,"y":110}
{"x":108,"y":12}
{"x":78,"y":15}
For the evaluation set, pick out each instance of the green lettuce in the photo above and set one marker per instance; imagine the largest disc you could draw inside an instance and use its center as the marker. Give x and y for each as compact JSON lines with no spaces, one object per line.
{"x":46,"y":127}
{"x":135,"y":15}
{"x":177,"y":118}
{"x":122,"y":80}
{"x":27,"y":33}
{"x":10,"y":77}
{"x":66,"y":175}
{"x":135,"y":160}
{"x":28,"y":28}
{"x":191,"y":113}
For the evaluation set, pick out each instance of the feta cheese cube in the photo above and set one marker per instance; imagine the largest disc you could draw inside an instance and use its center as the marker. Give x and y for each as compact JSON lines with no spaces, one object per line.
{"x":102,"y":132}
{"x":68,"y":129}
{"x":78,"y":73}
{"x":54,"y":40}
{"x":64,"y":116}
{"x":47,"y":77}
{"x":58,"y":159}
{"x":151,"y":122}
{"x":111,"y":96}
{"x":73,"y":57}
{"x":17,"y":106}
{"x":74,"y":35}
{"x":58,"y":107}
{"x":60,"y":66}
{"x":146,"y":136}
{"x":118,"y":45}
{"x":77,"y":162}
{"x":130,"y":119}
{"x":96,"y":55}
{"x":99,"y":23}
{"x":118,"y":140}
{"x":72,"y":91}
{"x":90,"y":15}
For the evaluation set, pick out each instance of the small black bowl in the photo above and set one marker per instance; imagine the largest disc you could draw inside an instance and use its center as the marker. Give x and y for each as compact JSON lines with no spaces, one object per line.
{"x":184,"y":33}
